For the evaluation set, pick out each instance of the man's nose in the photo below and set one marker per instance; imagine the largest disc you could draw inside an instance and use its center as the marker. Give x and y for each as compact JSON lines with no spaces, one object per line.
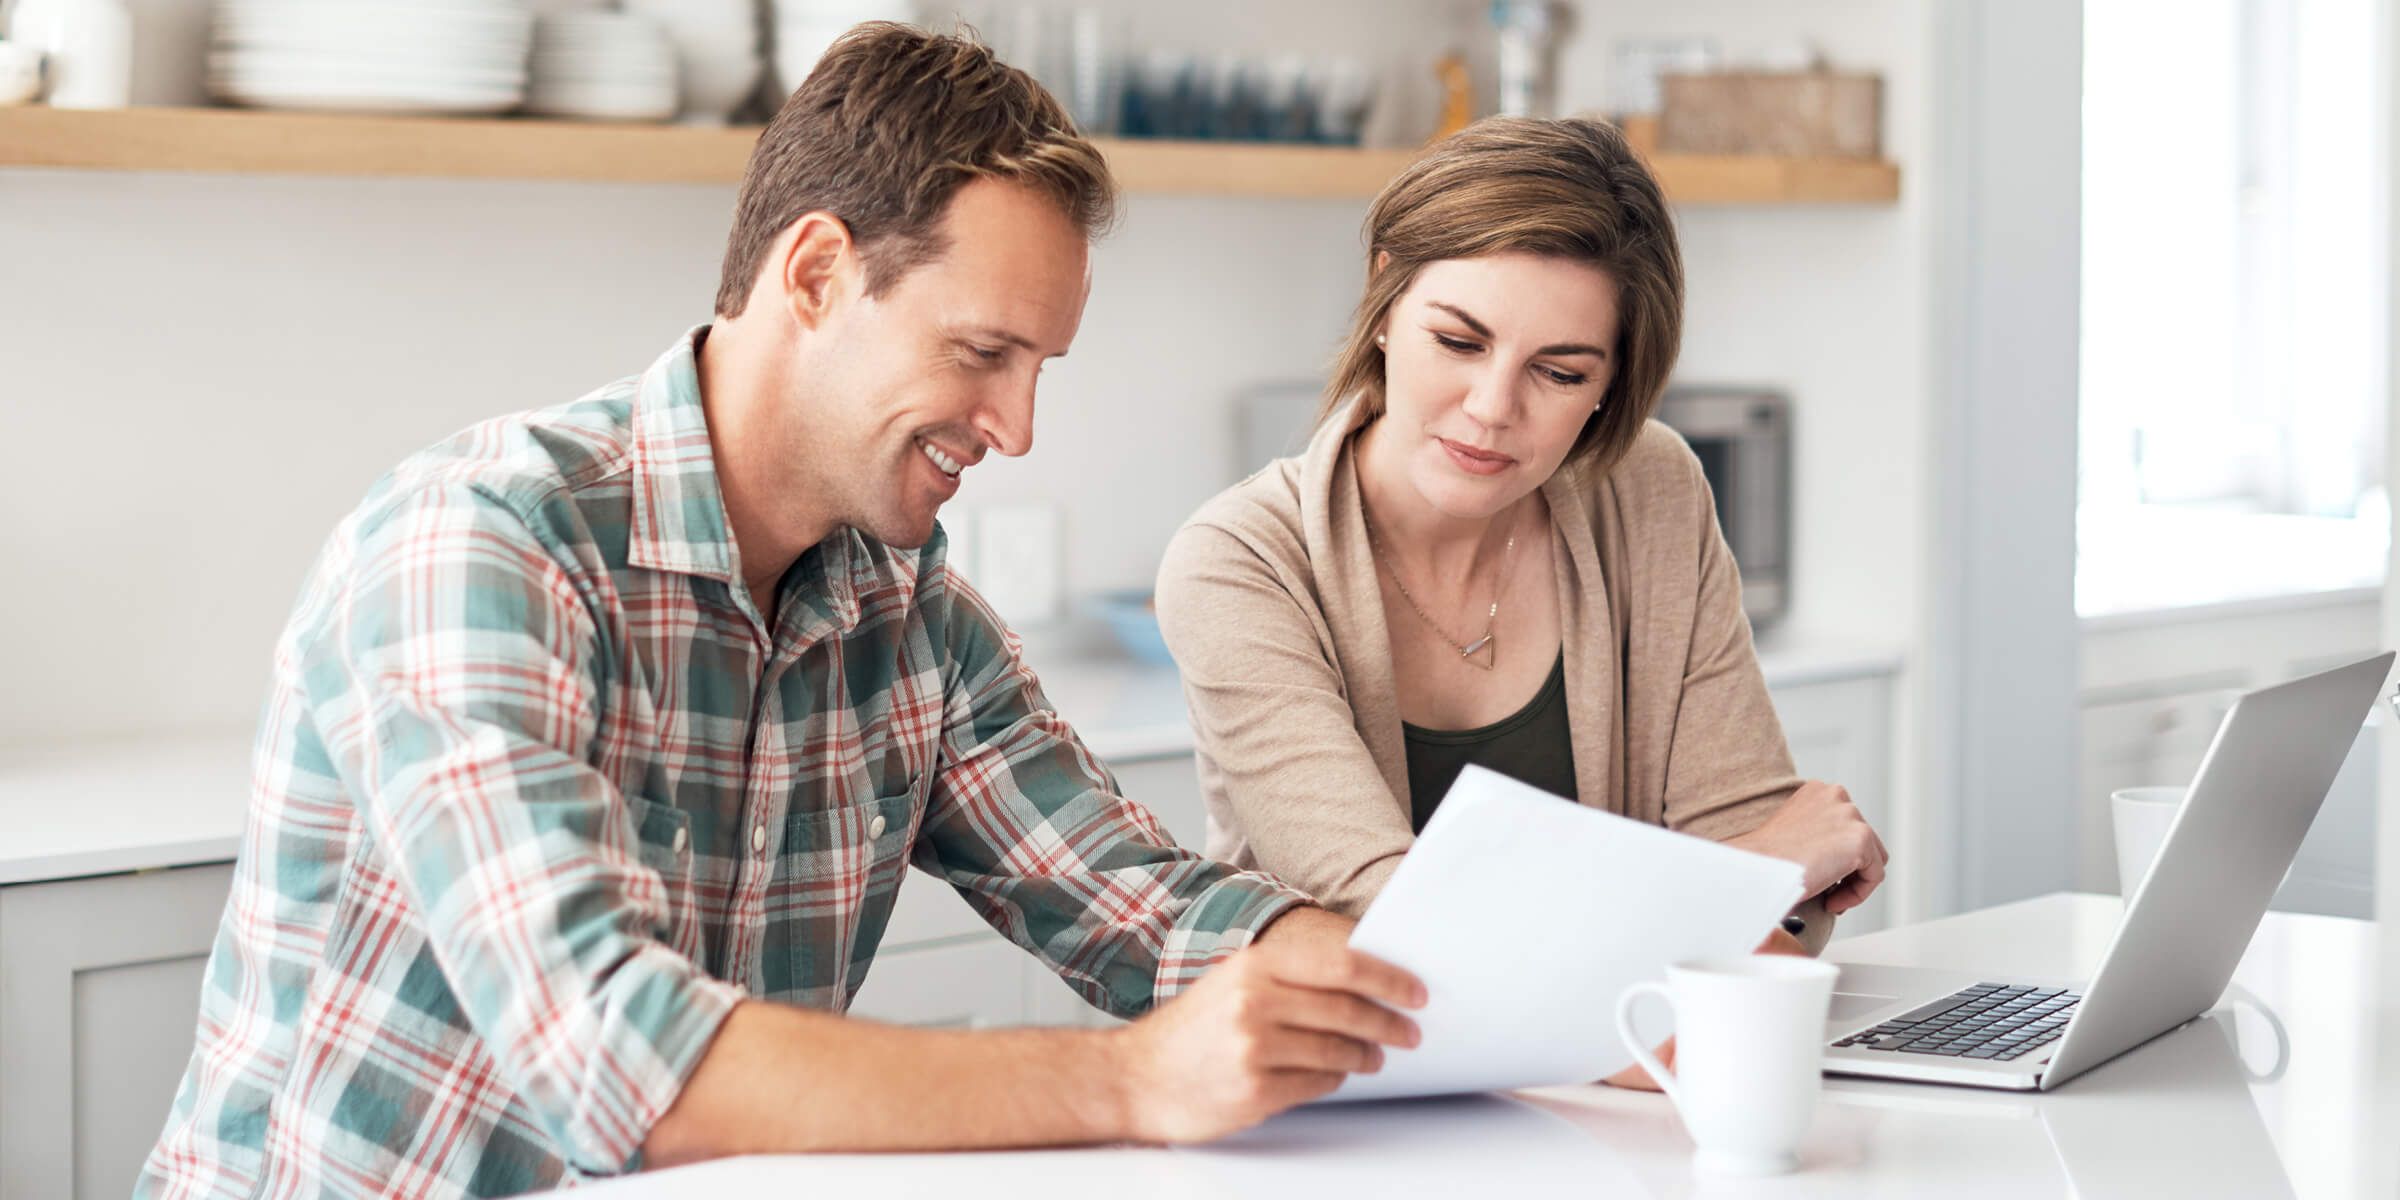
{"x":1006,"y":421}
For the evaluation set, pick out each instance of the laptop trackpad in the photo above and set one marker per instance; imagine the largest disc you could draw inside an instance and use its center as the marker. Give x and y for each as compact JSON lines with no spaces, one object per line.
{"x":1850,"y":1006}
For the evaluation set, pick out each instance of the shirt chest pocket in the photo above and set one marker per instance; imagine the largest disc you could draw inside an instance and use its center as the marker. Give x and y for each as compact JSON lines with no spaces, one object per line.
{"x":840,"y":870}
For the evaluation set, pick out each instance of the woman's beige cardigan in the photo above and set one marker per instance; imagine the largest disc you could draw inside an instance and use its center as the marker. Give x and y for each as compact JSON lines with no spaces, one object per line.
{"x":1269,"y":600}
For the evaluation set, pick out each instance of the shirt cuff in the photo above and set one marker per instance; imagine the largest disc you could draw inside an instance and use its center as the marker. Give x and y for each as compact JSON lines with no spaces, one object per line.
{"x":662,"y":1012}
{"x":1223,"y":919}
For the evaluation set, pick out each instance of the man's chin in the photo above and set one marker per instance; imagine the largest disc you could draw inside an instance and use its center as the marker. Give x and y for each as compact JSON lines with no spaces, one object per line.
{"x":899,"y":531}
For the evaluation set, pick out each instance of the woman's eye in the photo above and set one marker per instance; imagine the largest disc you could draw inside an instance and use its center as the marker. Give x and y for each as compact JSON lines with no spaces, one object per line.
{"x":1565,"y":378}
{"x":1456,"y":345}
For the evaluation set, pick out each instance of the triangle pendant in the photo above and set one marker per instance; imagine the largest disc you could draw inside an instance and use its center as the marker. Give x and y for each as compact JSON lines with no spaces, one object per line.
{"x":1471,"y":649}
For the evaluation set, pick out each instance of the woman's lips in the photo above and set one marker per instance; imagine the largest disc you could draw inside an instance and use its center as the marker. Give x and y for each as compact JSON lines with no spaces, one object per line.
{"x":1473,"y":461}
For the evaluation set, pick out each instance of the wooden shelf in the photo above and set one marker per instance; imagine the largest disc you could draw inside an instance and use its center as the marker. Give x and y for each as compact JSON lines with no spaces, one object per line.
{"x":237,"y":141}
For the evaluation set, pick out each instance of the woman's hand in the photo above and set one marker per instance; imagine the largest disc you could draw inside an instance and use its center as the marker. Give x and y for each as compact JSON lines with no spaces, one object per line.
{"x":1840,"y":857}
{"x":1639,"y":1080}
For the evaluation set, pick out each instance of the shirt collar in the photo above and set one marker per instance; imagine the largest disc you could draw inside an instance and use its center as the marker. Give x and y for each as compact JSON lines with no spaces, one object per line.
{"x":679,"y":511}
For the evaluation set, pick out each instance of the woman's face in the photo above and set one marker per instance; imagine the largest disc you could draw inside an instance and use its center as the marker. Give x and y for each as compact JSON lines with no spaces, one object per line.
{"x":1491,"y":367}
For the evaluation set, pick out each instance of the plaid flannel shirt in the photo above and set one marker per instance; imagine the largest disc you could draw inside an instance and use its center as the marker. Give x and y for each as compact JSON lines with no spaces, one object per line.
{"x":538,"y":797}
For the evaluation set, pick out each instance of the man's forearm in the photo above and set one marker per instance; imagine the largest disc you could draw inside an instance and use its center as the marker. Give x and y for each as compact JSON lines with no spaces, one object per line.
{"x":779,"y":1079}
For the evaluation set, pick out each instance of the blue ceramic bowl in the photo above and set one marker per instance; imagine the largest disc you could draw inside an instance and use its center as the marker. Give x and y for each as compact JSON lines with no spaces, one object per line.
{"x":1135,"y":625}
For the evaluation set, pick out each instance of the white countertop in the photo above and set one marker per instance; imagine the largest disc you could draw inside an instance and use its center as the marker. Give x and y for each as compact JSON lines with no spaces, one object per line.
{"x":2213,"y":1110}
{"x":103,"y":807}
{"x":100,"y":808}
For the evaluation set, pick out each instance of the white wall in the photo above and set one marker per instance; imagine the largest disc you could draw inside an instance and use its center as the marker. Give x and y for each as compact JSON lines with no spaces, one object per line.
{"x":1834,"y":304}
{"x":204,"y":373}
{"x":1827,"y":302}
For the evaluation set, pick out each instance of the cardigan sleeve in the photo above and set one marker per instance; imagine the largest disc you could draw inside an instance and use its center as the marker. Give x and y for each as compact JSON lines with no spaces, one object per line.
{"x":1270,"y":713}
{"x":1728,"y":766}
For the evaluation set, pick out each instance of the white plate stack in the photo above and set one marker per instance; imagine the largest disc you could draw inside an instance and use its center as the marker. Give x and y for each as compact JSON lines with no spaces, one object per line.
{"x":804,"y":28}
{"x":602,"y":66}
{"x":390,"y":56}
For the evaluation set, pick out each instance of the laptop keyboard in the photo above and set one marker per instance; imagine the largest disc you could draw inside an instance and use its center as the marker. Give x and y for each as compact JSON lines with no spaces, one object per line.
{"x":1987,"y":1021}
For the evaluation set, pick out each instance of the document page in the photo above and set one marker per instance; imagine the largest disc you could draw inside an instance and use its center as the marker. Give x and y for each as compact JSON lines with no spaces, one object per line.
{"x":1526,"y":914}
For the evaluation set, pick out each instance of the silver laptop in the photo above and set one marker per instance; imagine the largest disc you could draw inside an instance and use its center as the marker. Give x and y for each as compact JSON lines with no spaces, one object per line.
{"x":2184,"y":929}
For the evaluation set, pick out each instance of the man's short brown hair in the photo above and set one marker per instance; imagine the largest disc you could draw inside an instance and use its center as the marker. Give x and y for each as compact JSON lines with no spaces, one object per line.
{"x":889,"y":125}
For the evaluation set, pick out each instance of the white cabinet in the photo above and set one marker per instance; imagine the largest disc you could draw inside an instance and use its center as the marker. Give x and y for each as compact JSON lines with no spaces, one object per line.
{"x":99,"y":997}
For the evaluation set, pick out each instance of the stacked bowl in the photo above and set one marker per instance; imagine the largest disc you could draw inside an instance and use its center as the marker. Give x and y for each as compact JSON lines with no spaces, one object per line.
{"x":716,"y":51}
{"x":388,"y":56}
{"x":804,"y":28}
{"x":602,"y":66}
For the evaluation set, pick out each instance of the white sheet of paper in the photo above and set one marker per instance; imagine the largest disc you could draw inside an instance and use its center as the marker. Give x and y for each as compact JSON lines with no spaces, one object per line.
{"x":1525,"y":915}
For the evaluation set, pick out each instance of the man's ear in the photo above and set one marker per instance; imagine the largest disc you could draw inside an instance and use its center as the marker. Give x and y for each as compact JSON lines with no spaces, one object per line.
{"x":815,"y":262}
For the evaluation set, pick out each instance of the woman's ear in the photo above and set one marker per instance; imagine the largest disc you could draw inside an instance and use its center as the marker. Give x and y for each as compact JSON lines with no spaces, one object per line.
{"x":1383,"y":258}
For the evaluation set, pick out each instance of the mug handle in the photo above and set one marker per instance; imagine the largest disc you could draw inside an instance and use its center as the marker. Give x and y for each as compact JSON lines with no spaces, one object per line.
{"x":1641,"y":1053}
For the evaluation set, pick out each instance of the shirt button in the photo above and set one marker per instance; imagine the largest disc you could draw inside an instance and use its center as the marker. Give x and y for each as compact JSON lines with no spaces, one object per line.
{"x":682,"y":839}
{"x":875,"y":827}
{"x":758,"y":839}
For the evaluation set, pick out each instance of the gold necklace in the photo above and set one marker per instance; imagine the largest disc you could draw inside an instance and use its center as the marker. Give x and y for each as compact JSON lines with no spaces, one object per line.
{"x":1491,"y":628}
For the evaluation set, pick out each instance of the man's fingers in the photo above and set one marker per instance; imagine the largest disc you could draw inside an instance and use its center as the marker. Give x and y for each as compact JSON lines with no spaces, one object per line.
{"x":1349,"y":1015}
{"x":1287,"y":1088}
{"x":1339,"y":969}
{"x":1309,"y":1050}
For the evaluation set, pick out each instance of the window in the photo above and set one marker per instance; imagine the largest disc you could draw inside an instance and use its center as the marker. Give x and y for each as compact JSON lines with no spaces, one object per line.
{"x":2234,"y":301}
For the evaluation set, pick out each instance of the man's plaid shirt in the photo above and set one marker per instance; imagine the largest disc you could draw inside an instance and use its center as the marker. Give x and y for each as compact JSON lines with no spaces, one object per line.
{"x":538,"y":797}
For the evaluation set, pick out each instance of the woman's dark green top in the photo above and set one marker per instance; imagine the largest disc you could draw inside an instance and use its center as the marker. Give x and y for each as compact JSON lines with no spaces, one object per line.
{"x":1530,"y":745}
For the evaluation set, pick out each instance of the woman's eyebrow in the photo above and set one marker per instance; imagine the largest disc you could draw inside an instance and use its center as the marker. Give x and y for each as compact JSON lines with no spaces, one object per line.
{"x":1484,"y":331}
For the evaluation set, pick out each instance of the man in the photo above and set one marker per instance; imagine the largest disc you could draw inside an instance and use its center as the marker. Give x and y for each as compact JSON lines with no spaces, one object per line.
{"x":602,"y":737}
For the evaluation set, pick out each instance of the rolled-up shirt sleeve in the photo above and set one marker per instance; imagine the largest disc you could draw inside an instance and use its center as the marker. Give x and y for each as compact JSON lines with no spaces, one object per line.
{"x":457,"y":691}
{"x":1033,"y":831}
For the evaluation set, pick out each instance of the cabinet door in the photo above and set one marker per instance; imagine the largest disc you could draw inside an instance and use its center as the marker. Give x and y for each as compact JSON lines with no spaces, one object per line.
{"x":2145,"y":742}
{"x":99,"y":1001}
{"x":978,"y":984}
{"x":1840,"y":732}
{"x":1170,"y":788}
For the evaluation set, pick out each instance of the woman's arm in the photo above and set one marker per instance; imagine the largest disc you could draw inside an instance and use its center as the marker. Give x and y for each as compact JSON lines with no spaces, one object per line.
{"x":1273,"y":722}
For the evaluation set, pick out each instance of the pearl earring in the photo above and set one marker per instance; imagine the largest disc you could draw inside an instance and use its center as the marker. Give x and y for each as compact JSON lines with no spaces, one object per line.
{"x":1379,"y":341}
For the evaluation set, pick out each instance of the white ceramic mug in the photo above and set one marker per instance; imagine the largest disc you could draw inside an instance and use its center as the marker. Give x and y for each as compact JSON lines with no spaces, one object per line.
{"x":1749,"y":1055}
{"x":20,"y":73}
{"x":2141,"y":817}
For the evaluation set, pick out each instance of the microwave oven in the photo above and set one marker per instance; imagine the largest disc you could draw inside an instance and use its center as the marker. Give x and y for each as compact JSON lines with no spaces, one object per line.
{"x":1743,"y":437}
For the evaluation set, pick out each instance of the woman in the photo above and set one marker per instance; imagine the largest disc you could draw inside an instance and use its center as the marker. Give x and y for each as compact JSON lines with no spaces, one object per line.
{"x":1489,"y":553}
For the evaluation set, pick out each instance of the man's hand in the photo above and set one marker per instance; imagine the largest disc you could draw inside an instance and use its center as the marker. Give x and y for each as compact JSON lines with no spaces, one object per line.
{"x":1639,"y":1080}
{"x":1839,"y":855}
{"x":1275,"y":1025}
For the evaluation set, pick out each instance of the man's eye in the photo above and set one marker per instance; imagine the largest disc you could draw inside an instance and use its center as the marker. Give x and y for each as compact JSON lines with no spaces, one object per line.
{"x":984,"y":354}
